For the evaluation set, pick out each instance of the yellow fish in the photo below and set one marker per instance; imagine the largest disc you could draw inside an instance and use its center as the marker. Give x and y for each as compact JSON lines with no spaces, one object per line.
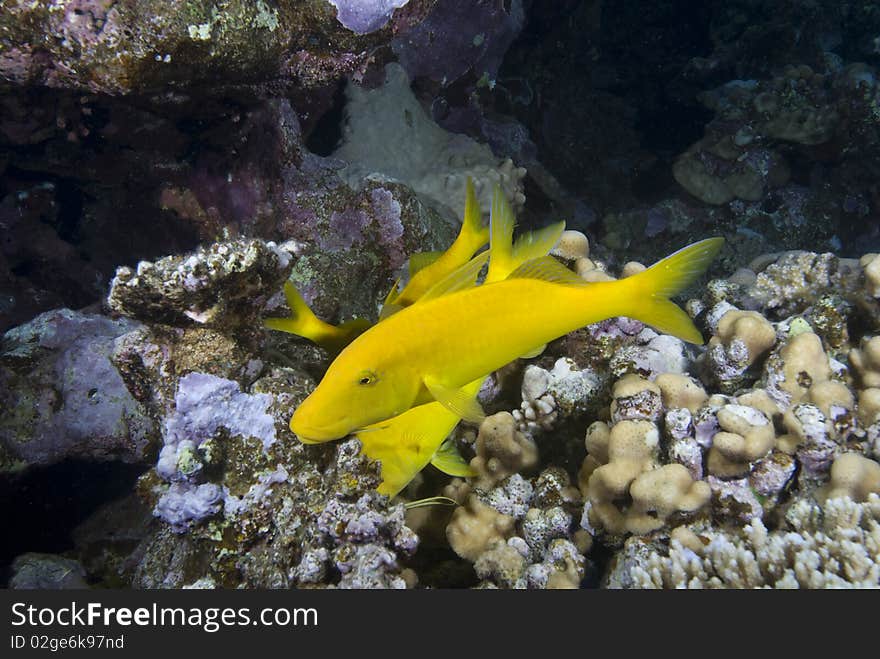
{"x":433,"y":349}
{"x":406,"y":443}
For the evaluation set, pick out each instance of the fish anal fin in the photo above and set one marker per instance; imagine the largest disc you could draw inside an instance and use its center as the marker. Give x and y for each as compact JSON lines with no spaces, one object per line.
{"x":547,"y":269}
{"x":460,"y":402}
{"x":448,"y":460}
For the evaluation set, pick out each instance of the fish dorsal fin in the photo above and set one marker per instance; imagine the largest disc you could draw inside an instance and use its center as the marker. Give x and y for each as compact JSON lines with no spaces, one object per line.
{"x":547,"y":269}
{"x":501,"y":225}
{"x":461,"y":402}
{"x":448,"y":460}
{"x":472,"y":221}
{"x":457,"y":280}
{"x":421,"y":260}
{"x":535,"y":244}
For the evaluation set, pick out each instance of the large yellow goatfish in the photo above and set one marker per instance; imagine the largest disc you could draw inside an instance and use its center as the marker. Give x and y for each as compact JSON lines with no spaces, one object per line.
{"x":406,"y":443}
{"x":433,"y":349}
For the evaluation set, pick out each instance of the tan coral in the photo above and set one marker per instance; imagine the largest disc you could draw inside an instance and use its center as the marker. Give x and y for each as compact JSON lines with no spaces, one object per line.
{"x":475,"y":527}
{"x":760,"y":400}
{"x":632,"y":268}
{"x":501,"y":450}
{"x":572,"y":245}
{"x":854,"y":476}
{"x":584,"y":265}
{"x":746,"y":435}
{"x":634,"y":397}
{"x":567,"y":573}
{"x":749,"y":327}
{"x":632,"y":449}
{"x":869,"y":406}
{"x":871,"y":266}
{"x":596,"y":440}
{"x":803,"y":364}
{"x":660,"y":493}
{"x":830,"y":394}
{"x":680,"y":391}
{"x":594,"y":276}
{"x":866,"y":361}
{"x":502,"y":564}
{"x":687,"y":538}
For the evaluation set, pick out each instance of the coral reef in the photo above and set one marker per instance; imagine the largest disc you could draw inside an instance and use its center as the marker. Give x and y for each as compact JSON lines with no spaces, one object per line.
{"x":166,"y":167}
{"x":105,"y":47}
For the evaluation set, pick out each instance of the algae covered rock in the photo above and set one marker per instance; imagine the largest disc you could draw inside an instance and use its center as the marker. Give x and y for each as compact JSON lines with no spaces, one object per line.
{"x":125,"y":47}
{"x":62,"y":395}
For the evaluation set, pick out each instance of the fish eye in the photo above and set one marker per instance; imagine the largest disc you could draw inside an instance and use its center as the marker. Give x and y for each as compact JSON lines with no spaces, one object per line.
{"x":367,"y":378}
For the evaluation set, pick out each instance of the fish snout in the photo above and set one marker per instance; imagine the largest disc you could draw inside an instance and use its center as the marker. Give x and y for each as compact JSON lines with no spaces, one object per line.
{"x":308,"y":431}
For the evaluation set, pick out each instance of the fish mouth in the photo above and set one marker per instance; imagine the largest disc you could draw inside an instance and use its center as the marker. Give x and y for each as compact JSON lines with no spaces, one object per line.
{"x":311,"y":428}
{"x":312,"y":434}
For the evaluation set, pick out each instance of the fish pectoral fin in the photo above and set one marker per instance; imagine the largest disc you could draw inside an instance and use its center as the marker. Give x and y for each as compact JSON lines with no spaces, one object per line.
{"x":421,"y":260}
{"x":547,"y":269}
{"x":457,"y":280}
{"x":534,"y":353}
{"x":448,"y":460}
{"x":458,"y":401}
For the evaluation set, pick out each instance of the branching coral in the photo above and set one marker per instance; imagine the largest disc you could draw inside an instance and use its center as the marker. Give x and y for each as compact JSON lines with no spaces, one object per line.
{"x":835,"y":546}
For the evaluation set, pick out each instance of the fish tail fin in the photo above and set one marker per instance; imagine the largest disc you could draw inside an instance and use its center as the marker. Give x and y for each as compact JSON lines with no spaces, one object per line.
{"x":473,"y":232}
{"x":651,"y":289}
{"x":507,"y":255}
{"x":303,"y":322}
